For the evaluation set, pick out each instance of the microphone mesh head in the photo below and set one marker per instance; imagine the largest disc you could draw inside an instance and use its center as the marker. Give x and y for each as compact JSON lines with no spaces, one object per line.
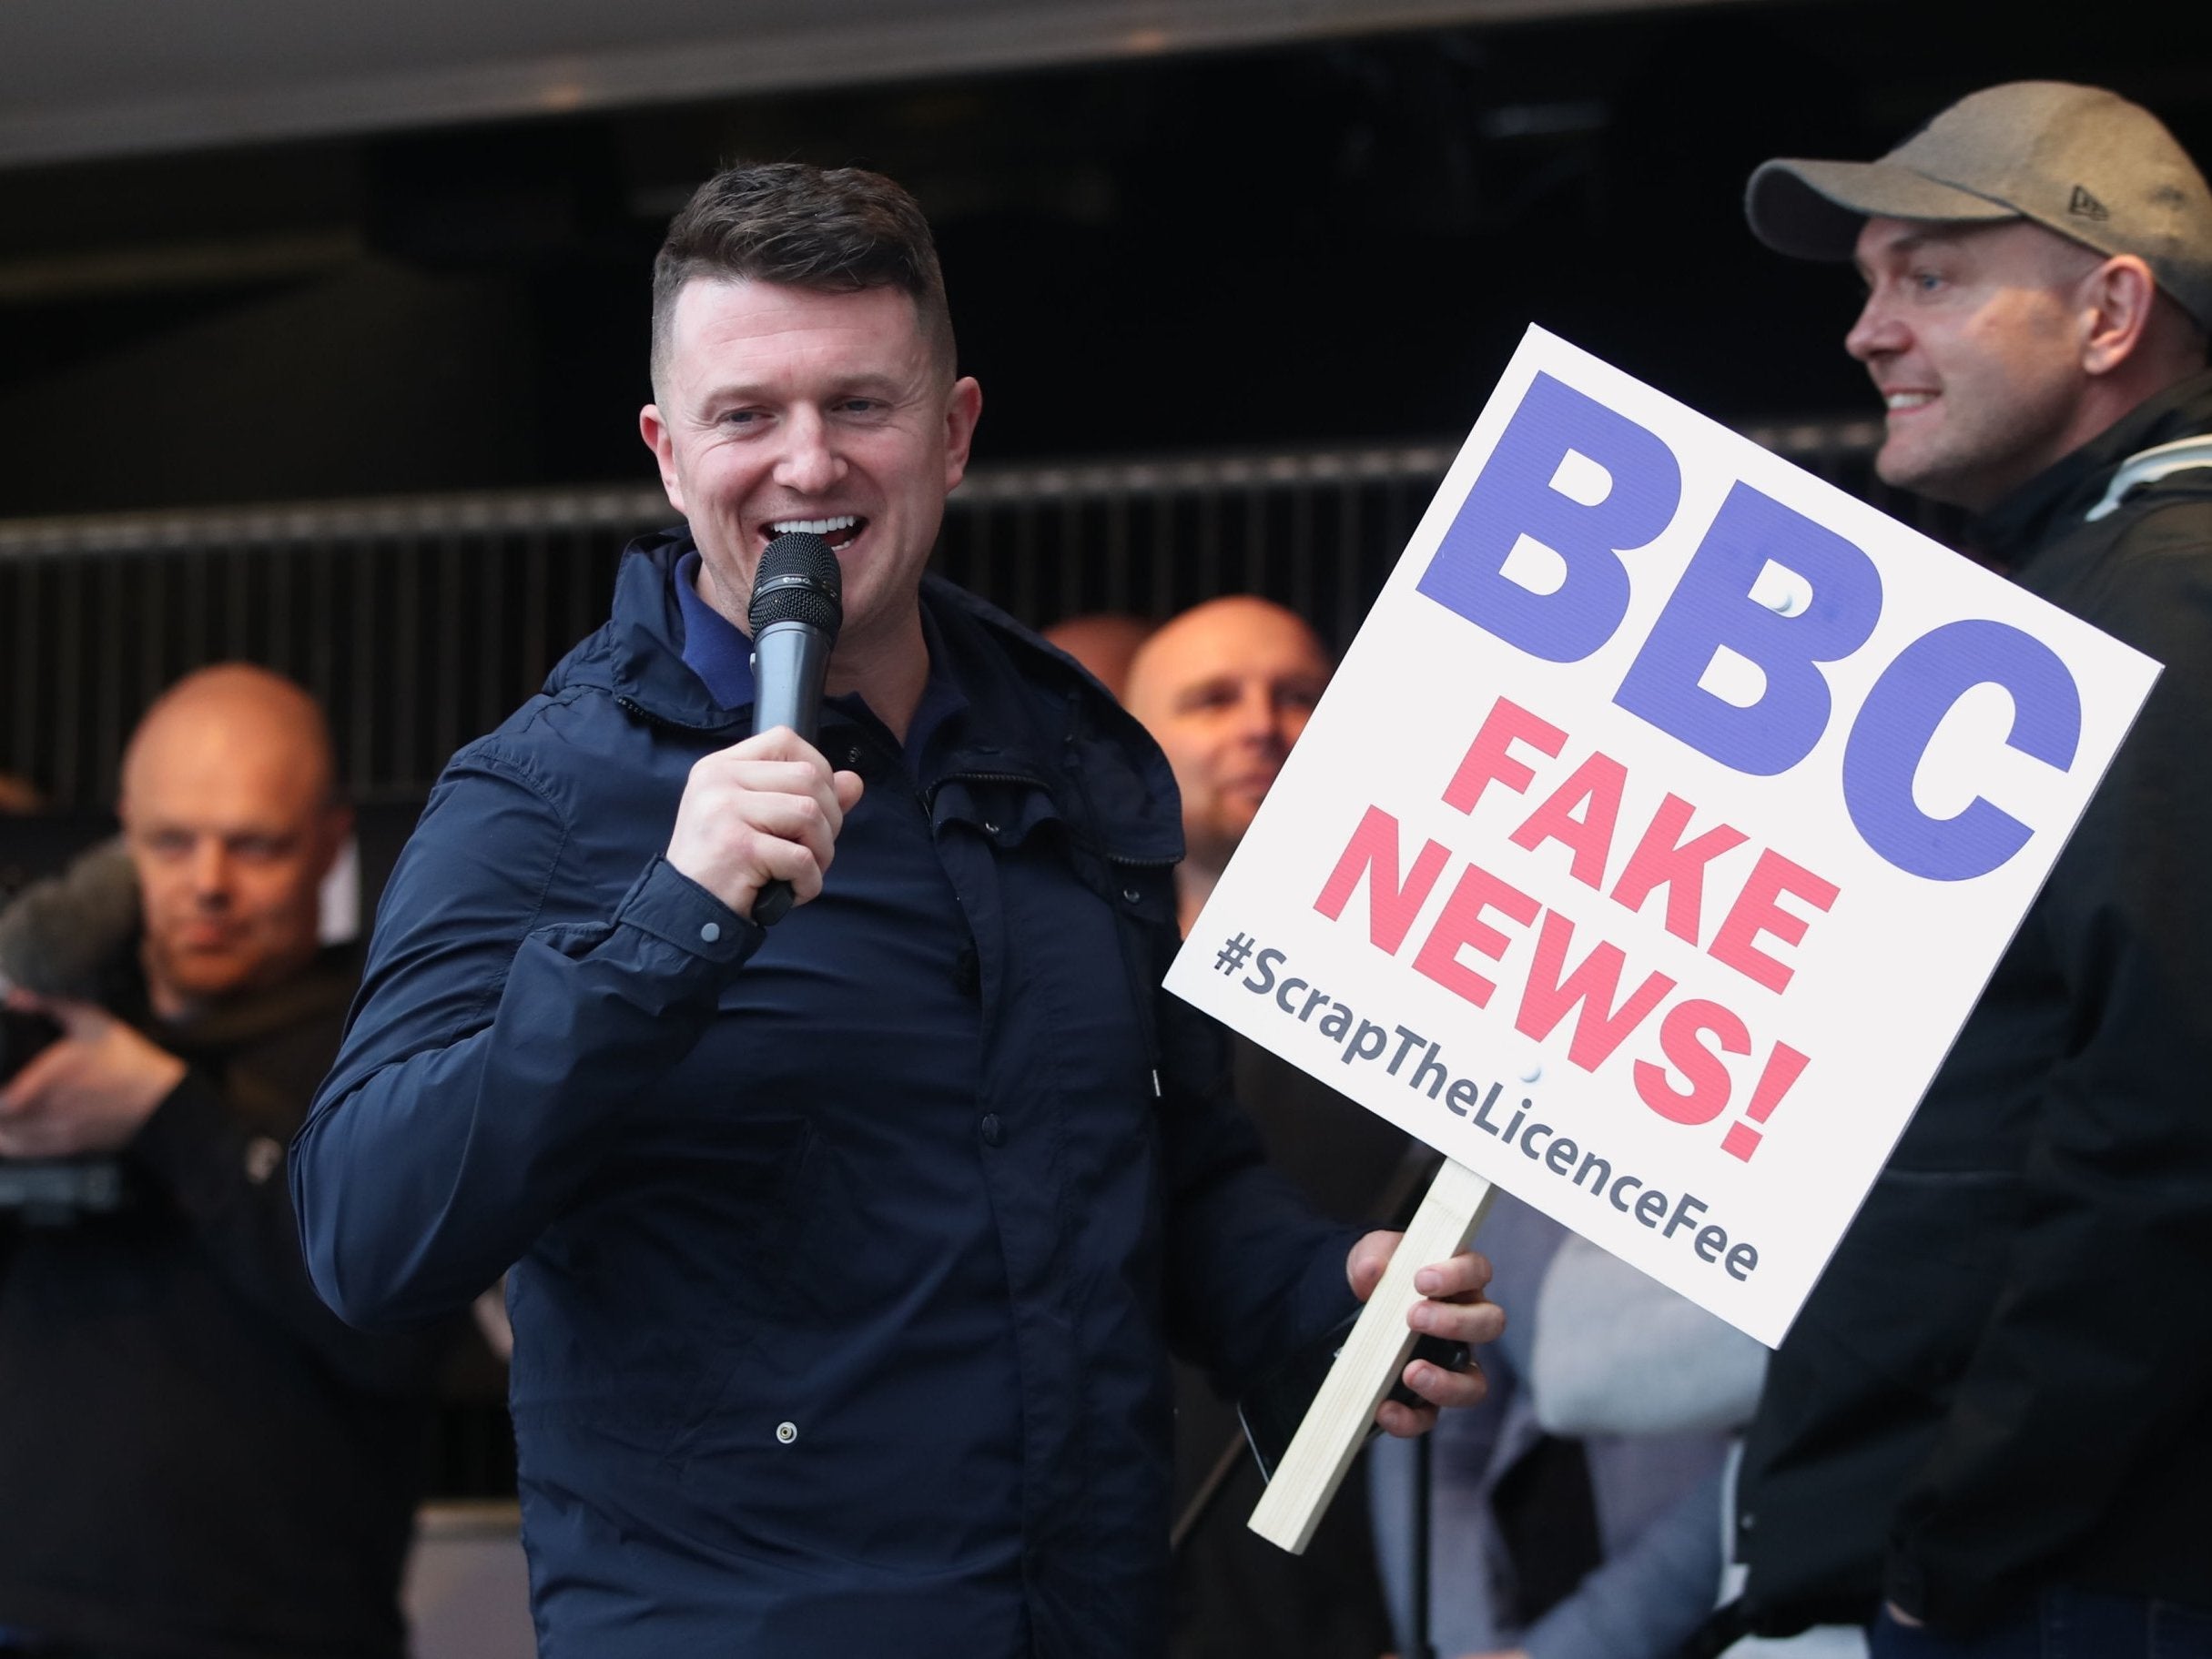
{"x":59,"y":936}
{"x":797,"y":582}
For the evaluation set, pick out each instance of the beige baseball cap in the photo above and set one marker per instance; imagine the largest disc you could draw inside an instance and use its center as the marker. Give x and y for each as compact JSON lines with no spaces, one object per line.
{"x":2078,"y":161}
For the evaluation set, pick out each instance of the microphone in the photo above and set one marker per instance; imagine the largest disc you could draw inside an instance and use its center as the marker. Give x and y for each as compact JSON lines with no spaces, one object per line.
{"x":59,"y":936}
{"x":57,"y":939}
{"x":798,"y":607}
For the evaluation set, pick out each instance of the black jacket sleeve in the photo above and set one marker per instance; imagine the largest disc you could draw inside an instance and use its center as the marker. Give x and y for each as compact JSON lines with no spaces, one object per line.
{"x":227,"y":1180}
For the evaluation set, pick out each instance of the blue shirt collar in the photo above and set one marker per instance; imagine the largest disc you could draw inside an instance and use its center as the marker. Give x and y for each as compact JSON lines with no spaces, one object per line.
{"x":717,"y":650}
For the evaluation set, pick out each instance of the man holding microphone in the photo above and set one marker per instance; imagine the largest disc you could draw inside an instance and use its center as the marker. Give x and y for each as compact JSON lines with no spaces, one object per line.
{"x":845,"y":1254}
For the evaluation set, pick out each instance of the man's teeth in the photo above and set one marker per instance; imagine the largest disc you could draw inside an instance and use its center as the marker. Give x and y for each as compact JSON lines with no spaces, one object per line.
{"x":813,"y":527}
{"x":1908,"y":399}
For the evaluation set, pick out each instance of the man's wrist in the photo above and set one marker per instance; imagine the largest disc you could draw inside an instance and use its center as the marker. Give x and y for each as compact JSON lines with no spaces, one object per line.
{"x":671,"y":907}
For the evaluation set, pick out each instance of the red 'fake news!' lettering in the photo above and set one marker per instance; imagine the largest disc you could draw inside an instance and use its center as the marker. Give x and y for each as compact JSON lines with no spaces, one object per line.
{"x":1583,"y":814}
{"x":1690,"y":1083}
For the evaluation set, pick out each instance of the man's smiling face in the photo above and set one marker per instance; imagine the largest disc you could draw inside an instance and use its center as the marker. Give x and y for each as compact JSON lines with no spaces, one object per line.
{"x":1973,"y":336}
{"x":785,"y":409}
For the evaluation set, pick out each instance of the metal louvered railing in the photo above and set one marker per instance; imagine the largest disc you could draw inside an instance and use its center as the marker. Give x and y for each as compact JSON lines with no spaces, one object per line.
{"x":421,"y":622}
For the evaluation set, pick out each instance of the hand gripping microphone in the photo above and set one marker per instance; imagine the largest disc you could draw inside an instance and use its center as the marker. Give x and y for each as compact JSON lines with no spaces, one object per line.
{"x":798,"y":607}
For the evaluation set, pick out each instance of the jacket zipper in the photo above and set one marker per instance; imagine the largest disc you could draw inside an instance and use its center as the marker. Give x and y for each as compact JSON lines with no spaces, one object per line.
{"x":929,"y":794}
{"x":667,"y":722}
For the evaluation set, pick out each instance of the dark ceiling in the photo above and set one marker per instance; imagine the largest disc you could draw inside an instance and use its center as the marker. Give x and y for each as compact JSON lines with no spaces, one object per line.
{"x":1307,"y":242}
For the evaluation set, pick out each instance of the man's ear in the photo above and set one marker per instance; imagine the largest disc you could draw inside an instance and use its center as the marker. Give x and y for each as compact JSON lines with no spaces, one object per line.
{"x":2118,"y":298}
{"x":662,"y":442}
{"x":963,"y":409}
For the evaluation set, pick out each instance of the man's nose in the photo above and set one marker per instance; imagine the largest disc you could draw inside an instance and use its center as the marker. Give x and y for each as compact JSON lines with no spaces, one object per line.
{"x":1878,"y":333}
{"x":1260,"y":719}
{"x":210,"y":870}
{"x":809,"y":463}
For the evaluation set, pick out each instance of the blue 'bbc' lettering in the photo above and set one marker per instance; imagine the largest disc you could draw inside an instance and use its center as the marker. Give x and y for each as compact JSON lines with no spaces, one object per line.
{"x":1712,"y":608}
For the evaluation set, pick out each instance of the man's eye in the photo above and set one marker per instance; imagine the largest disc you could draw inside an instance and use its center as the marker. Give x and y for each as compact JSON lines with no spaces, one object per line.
{"x":861,"y":406}
{"x":740,"y":419}
{"x":1925,"y":282}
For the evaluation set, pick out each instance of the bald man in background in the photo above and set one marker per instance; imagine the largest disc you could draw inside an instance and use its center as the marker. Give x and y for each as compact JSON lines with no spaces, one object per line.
{"x":1225,"y":689}
{"x":199,"y":1460}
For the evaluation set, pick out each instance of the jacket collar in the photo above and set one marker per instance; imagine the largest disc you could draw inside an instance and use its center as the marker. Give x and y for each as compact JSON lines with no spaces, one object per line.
{"x":1032,"y":714}
{"x":637,"y":656}
{"x":2022,"y":524}
{"x":1035,"y":713}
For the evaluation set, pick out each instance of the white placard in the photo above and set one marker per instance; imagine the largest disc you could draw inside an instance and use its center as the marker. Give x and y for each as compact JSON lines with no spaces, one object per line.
{"x":1659,"y":832}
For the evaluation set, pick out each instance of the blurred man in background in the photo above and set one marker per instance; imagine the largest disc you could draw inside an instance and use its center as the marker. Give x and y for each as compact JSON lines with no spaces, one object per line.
{"x":1225,"y":689}
{"x":2021,"y":1447}
{"x":198,"y":1458}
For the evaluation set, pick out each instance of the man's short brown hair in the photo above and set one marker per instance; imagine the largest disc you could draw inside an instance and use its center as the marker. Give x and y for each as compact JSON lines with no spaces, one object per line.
{"x":835,"y":231}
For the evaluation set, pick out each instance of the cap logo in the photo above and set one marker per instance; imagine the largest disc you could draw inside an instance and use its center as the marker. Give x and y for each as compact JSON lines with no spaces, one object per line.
{"x":2085,"y":205}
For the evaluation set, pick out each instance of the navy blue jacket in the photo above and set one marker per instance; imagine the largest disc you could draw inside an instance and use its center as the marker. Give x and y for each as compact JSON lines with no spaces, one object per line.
{"x":801,"y":1369}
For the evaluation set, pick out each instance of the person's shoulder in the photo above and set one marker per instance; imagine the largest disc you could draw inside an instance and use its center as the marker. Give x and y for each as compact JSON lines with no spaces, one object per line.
{"x":2157,"y":500}
{"x":2136,"y":564}
{"x":2166,"y":532}
{"x":542,"y":747}
{"x":1130,"y":787}
{"x":975,"y":629}
{"x":2150,"y":579}
{"x":573,"y":736}
{"x":551,"y":765}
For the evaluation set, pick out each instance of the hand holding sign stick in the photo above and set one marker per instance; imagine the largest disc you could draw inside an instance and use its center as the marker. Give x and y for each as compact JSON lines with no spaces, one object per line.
{"x":1368,"y":1366}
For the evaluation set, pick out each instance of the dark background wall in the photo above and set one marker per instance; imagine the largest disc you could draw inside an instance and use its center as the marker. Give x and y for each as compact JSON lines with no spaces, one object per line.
{"x":1305,"y":243}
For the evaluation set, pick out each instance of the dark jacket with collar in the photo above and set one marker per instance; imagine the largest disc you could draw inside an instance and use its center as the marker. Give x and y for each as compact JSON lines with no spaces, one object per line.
{"x":799,"y":1370}
{"x":198,"y":1459}
{"x":2005,"y":1378}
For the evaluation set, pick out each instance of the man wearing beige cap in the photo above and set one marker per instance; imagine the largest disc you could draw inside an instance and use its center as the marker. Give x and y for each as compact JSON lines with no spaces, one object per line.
{"x":1990,"y":1430}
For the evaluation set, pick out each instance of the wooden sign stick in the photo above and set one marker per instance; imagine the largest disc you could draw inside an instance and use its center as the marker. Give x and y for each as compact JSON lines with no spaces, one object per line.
{"x":1366,"y":1368}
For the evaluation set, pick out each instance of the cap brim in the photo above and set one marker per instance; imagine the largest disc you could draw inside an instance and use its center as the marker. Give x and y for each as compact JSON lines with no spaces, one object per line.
{"x":1815,"y":209}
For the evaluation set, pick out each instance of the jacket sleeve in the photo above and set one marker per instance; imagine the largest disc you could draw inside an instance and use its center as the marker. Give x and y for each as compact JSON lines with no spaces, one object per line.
{"x":1254,"y":1272}
{"x":2099,"y":1346}
{"x":495,"y":1047}
{"x":225,"y":1181}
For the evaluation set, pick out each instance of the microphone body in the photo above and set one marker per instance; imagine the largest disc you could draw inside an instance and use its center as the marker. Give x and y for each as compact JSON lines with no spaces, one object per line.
{"x":791,"y":663}
{"x":797,"y":609}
